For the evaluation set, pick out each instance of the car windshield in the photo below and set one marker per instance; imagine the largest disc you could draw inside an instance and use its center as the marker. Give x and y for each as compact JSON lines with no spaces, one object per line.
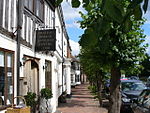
{"x":134,"y":86}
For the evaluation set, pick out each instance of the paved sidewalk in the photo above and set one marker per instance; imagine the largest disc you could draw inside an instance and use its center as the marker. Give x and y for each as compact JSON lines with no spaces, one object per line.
{"x":81,"y":102}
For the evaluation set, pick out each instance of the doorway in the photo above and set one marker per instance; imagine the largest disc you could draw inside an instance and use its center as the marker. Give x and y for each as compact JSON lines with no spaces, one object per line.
{"x":30,"y":82}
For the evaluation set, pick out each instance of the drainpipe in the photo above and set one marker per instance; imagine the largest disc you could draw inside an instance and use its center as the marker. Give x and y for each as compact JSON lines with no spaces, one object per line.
{"x":19,"y":25}
{"x":62,"y":60}
{"x":54,"y":19}
{"x":62,"y":30}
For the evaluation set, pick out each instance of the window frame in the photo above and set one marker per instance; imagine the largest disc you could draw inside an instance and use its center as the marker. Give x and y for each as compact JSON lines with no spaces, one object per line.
{"x":48,"y":82}
{"x":34,"y":8}
{"x":6,"y":52}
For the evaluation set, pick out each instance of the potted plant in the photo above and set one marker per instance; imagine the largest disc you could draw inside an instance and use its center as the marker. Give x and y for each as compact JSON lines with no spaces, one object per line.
{"x":31,"y":101}
{"x":46,"y":93}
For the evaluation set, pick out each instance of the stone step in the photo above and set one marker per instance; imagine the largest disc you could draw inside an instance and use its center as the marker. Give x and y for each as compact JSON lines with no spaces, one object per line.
{"x":57,"y":111}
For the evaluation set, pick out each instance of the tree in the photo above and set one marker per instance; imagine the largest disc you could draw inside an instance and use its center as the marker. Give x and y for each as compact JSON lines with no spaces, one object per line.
{"x":111,"y":7}
{"x":115,"y":45}
{"x":93,"y":70}
{"x":146,"y":67}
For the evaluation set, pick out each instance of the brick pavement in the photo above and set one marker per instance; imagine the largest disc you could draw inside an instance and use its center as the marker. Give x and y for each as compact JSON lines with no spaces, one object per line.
{"x":81,"y":102}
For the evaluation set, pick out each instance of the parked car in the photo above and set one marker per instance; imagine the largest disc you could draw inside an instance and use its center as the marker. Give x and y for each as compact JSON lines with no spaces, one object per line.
{"x":142,"y":104}
{"x":133,"y":78}
{"x":130,"y":90}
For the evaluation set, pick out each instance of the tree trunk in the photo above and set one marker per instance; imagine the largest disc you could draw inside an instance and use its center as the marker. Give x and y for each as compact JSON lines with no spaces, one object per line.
{"x":115,"y":96}
{"x":99,"y":87}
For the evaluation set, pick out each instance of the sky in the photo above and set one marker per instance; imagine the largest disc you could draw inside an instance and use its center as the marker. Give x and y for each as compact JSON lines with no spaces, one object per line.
{"x":72,"y":16}
{"x":146,"y":28}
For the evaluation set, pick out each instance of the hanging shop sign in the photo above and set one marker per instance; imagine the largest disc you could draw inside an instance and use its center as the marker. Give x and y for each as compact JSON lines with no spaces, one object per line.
{"x":45,"y":40}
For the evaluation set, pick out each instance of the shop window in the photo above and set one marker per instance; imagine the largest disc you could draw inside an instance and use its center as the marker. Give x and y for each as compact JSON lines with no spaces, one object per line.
{"x":6,"y":78}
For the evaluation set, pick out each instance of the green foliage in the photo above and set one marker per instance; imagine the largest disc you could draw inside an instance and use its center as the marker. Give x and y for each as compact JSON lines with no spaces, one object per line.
{"x":85,"y":3}
{"x":30,"y":99}
{"x":109,"y":4}
{"x":93,"y":89}
{"x":119,"y":43}
{"x":107,"y":43}
{"x":46,"y":93}
{"x":114,"y":9}
{"x":138,"y":12}
{"x":146,"y":67}
{"x":75,"y":3}
{"x":58,"y":2}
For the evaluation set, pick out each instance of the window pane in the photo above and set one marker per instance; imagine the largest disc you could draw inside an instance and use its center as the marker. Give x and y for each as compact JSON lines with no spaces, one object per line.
{"x":26,"y":3}
{"x":9,"y":60}
{"x":1,"y":59}
{"x":9,"y":79}
{"x":31,"y":5}
{"x":6,"y":78}
{"x":39,"y":9}
{"x":2,"y":78}
{"x":1,"y":12}
{"x":48,"y":74}
{"x":42,"y":10}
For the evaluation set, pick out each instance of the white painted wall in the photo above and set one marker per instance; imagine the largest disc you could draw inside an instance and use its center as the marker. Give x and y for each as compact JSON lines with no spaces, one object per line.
{"x":58,"y":28}
{"x":56,"y":60}
{"x":68,"y":76}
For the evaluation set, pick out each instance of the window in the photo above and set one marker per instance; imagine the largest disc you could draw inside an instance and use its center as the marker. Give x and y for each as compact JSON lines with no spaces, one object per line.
{"x":1,"y":13}
{"x":72,"y":78}
{"x":40,"y":9}
{"x":48,"y":74}
{"x":77,"y":78}
{"x":134,"y":86}
{"x":29,"y":4}
{"x":7,"y":9}
{"x":6,"y":78}
{"x":36,"y":7}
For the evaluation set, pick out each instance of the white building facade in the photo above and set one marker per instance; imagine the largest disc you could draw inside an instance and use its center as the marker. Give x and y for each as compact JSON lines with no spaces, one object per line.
{"x":75,"y":72}
{"x":39,"y":67}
